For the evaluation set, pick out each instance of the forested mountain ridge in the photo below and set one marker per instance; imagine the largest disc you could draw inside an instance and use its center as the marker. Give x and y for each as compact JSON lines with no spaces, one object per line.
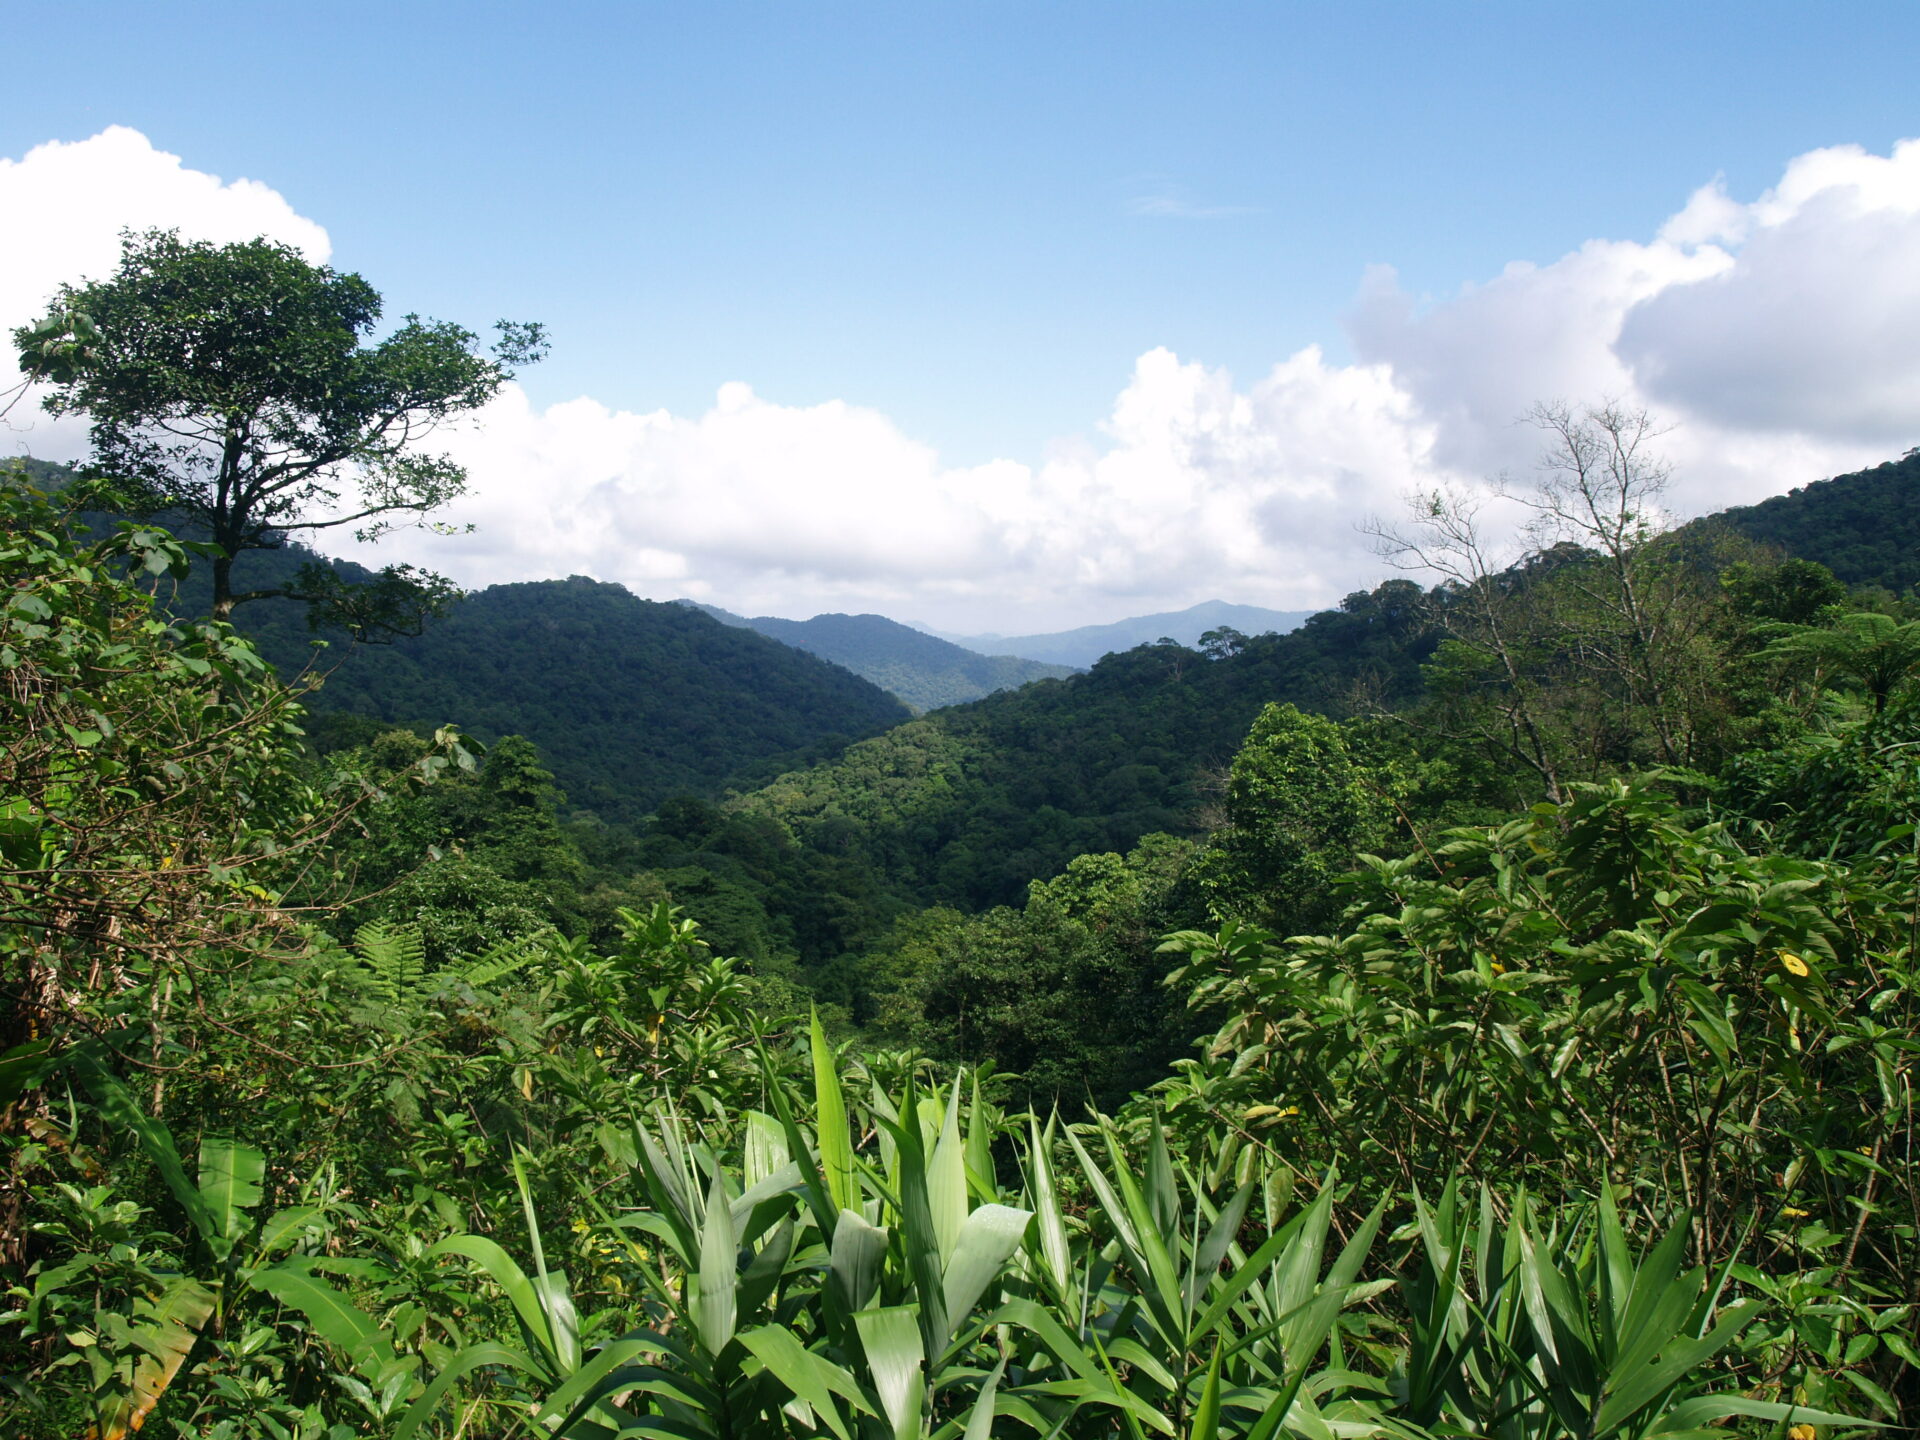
{"x":925,"y":671}
{"x":629,"y":700}
{"x":1864,"y":527}
{"x":966,"y":805}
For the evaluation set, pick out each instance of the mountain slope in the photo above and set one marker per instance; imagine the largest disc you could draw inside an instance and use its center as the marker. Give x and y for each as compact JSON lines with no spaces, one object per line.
{"x":1865,"y":527}
{"x":922,"y":669}
{"x":629,"y":700}
{"x":967,"y":805}
{"x":1087,"y":644}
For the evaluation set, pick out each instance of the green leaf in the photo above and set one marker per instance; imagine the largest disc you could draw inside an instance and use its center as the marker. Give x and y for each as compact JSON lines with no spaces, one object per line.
{"x":230,"y":1176}
{"x":856,"y":1256}
{"x":513,"y":1282}
{"x":119,"y":1108}
{"x":809,"y":1376}
{"x":1206,"y":1415}
{"x":1044,"y":1195}
{"x":715,"y":1300}
{"x":891,"y":1340}
{"x":165,"y":1330}
{"x":947,"y":1179}
{"x":23,"y":1068}
{"x":335,"y":1318}
{"x":830,"y":1122}
{"x":473,"y":1357}
{"x":980,"y":1421}
{"x":987,"y":1238}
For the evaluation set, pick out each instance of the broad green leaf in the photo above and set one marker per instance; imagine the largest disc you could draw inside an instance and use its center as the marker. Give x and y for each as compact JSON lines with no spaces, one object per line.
{"x":1044,"y":1196}
{"x":568,"y":1404}
{"x":284,"y":1227}
{"x":766,"y":1149}
{"x":513,"y":1282}
{"x":856,"y":1257}
{"x":230,"y":1176}
{"x":830,"y":1123}
{"x":987,"y":1238}
{"x":335,"y":1318}
{"x":715,"y":1301}
{"x":813,"y":1378}
{"x":891,"y":1340}
{"x":947,"y":1179}
{"x":165,"y":1330}
{"x":119,"y":1108}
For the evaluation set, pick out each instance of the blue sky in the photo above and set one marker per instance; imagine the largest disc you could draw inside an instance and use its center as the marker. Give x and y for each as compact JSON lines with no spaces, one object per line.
{"x":973,"y":220}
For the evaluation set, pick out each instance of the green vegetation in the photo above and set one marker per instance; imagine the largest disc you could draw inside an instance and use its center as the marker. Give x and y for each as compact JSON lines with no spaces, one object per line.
{"x":1865,"y":527}
{"x":1489,"y":1010}
{"x":629,"y":700}
{"x":228,"y":387}
{"x":965,"y":806}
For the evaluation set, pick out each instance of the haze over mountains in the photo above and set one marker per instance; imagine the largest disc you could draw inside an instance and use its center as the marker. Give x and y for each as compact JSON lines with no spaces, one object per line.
{"x":1081,"y":647}
{"x":922,"y":669}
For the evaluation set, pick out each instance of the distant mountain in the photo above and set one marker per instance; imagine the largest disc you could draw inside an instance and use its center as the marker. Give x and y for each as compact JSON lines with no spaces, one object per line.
{"x":1865,"y":527}
{"x":1087,"y":644}
{"x":923,"y":670}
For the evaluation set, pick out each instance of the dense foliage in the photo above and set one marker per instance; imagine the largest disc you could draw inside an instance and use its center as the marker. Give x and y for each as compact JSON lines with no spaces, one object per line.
{"x":963,"y":807}
{"x":1551,"y":934}
{"x":1864,"y":527}
{"x":629,"y":700}
{"x":233,"y":387}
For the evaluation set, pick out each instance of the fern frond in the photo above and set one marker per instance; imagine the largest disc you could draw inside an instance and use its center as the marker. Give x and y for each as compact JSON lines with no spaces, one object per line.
{"x":395,"y":957}
{"x":500,"y":961}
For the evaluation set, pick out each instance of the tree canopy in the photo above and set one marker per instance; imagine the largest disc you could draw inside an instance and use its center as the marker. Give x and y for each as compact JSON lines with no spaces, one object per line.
{"x":238,"y":388}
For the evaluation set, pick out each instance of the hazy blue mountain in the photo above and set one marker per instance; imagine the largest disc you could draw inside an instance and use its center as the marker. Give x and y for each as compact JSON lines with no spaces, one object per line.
{"x":921,"y":669}
{"x":1087,"y":644}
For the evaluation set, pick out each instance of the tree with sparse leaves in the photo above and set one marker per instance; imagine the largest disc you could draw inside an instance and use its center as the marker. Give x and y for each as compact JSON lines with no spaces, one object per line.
{"x":236,"y":389}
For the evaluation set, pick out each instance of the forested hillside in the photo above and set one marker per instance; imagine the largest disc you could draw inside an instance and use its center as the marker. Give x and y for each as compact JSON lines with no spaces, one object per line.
{"x":1864,"y":527}
{"x":921,"y":669}
{"x":323,"y":1115}
{"x":630,"y":700}
{"x":966,"y":806}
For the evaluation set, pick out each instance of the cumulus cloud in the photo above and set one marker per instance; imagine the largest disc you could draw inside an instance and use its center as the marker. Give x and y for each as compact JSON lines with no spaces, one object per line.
{"x":1198,"y":489}
{"x":1815,"y":327}
{"x":1780,"y":337}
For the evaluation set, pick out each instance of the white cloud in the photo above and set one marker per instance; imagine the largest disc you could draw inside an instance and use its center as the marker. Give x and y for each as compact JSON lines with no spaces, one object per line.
{"x":1815,"y":327}
{"x":1780,"y":336}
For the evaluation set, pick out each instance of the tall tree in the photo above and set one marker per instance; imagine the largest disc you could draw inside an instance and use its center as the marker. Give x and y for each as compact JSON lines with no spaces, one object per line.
{"x":234,"y":387}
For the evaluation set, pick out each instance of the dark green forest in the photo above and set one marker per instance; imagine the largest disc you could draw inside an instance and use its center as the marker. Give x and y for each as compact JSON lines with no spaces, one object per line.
{"x":1491,"y":1009}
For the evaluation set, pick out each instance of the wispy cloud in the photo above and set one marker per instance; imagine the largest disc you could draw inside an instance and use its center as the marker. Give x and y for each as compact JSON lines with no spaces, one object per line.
{"x":1169,"y":202}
